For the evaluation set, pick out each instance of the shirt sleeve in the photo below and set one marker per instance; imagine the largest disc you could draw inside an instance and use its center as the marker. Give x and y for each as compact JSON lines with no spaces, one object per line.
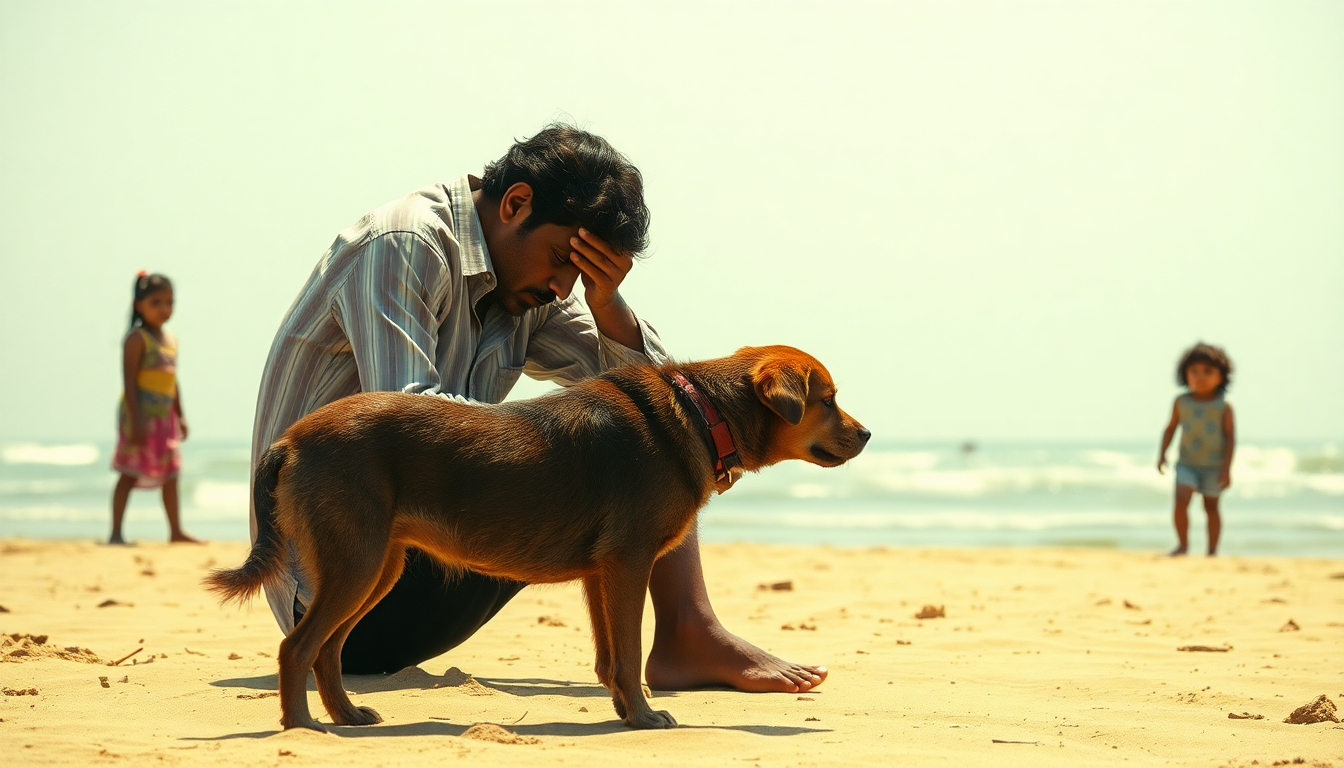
{"x":389,"y":307}
{"x":567,"y":347}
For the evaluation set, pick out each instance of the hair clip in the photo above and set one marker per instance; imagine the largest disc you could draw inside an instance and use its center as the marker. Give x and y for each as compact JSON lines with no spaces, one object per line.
{"x":142,"y":273}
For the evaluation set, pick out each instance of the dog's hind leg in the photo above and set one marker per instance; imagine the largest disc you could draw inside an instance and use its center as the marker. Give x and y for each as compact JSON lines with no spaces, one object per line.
{"x":340,"y":589}
{"x":623,"y":589}
{"x":327,"y":669}
{"x":592,"y":587}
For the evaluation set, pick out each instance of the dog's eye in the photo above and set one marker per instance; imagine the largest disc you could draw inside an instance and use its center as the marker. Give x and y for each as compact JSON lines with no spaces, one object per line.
{"x":829,"y":402}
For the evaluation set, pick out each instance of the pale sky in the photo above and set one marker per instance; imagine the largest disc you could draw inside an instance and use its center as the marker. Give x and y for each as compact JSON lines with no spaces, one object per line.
{"x":990,"y":220}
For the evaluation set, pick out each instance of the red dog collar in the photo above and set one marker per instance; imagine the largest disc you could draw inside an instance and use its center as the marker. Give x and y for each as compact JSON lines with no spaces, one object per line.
{"x":720,"y":437}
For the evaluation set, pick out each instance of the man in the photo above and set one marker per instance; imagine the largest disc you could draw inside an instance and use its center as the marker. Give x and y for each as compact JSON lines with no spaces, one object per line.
{"x":455,"y":291}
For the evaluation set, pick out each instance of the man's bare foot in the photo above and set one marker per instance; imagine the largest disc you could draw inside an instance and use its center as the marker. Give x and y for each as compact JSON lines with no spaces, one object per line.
{"x":1177,"y":552}
{"x":182,"y":538}
{"x":117,"y":540}
{"x":699,"y":657}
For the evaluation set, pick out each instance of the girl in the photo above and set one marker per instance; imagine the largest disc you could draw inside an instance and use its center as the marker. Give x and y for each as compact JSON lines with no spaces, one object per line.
{"x":150,"y":416}
{"x":1208,"y":437}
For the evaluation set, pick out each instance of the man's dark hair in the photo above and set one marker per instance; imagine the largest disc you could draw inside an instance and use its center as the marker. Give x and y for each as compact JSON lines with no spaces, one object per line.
{"x":576,"y":178}
{"x":1209,"y":355}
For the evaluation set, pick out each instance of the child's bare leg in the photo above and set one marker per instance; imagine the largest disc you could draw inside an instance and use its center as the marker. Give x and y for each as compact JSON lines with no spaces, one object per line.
{"x":120,"y":495}
{"x":170,"y":506}
{"x":1182,"y":519}
{"x":1215,"y":523}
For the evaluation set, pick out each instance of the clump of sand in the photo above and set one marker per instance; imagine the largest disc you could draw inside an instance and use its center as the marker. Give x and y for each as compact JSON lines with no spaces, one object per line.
{"x":19,"y":647}
{"x":931,"y":612}
{"x":456,"y":678}
{"x":1322,"y":710}
{"x":497,"y":734}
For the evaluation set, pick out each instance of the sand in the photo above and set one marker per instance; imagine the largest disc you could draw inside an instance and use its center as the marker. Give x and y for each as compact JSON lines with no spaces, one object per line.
{"x":1029,"y":657}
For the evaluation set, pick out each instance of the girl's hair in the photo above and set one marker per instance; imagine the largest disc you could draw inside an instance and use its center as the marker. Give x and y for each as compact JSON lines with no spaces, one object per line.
{"x":144,"y":286}
{"x":1209,"y":355}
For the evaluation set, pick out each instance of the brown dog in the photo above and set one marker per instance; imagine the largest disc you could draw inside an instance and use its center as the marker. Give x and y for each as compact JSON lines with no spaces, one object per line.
{"x":593,"y":482}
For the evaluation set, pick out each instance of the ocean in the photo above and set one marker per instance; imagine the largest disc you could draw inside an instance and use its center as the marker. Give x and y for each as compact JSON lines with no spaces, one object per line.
{"x":1286,"y":499}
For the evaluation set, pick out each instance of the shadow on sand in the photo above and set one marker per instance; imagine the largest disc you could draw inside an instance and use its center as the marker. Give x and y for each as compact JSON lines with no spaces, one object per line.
{"x":415,"y":678}
{"x":437,"y":728}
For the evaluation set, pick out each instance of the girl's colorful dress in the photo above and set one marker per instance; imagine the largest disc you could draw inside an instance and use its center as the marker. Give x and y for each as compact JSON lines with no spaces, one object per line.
{"x":157,"y":459}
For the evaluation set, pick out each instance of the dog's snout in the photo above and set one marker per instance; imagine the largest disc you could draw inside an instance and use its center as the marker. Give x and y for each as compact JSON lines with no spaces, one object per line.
{"x":864,"y":434}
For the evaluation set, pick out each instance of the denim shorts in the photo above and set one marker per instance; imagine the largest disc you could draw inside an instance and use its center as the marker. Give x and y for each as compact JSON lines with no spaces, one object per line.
{"x":1203,"y":479}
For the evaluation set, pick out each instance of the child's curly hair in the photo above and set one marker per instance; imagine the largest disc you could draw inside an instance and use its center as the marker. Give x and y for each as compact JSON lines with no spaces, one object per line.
{"x":1209,"y":355}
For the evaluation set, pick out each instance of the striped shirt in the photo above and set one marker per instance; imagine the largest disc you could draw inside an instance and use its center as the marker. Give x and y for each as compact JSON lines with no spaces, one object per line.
{"x":391,"y":306}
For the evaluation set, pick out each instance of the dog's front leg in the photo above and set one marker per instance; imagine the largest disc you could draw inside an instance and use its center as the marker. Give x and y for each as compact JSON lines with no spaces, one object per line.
{"x":622,"y":588}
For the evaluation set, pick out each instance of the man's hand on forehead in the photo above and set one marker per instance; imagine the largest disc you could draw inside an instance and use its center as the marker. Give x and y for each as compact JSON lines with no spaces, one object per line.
{"x":602,"y":268}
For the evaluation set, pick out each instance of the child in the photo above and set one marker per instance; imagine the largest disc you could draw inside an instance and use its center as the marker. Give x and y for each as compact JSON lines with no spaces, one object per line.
{"x":1208,"y":437}
{"x":150,"y":415}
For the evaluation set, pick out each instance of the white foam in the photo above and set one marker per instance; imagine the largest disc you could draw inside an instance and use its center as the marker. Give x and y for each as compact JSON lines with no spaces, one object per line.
{"x":210,"y":493}
{"x":77,"y":455}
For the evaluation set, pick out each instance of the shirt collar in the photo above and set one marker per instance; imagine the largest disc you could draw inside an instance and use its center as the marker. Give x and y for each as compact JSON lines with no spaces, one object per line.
{"x":472,"y":251}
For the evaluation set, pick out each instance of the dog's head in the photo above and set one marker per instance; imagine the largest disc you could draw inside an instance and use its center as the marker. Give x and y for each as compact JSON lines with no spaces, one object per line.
{"x":799,"y":390}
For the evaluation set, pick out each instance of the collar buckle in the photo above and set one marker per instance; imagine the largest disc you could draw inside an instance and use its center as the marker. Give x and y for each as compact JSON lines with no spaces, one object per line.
{"x":721,"y":445}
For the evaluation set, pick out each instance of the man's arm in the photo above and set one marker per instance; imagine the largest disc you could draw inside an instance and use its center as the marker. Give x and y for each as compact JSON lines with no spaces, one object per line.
{"x":571,"y":344}
{"x":603,"y":269}
{"x":387,"y":309}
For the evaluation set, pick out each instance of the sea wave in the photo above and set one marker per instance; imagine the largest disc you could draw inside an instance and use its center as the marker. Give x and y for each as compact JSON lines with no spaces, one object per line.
{"x":1257,"y":472}
{"x":996,"y":520}
{"x":209,"y":493}
{"x":76,"y":455}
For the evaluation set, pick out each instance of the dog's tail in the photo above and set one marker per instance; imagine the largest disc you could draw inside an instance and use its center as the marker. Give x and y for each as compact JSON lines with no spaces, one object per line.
{"x":267,"y":558}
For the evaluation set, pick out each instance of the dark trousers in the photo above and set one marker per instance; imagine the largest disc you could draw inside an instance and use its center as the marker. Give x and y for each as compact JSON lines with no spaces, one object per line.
{"x":427,"y":613}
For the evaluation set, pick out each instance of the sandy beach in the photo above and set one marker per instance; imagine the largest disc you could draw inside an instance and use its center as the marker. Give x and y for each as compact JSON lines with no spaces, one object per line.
{"x":1042,"y":657}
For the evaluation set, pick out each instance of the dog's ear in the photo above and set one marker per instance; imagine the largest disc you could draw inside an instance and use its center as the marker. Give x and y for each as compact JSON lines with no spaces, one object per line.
{"x":783,"y":389}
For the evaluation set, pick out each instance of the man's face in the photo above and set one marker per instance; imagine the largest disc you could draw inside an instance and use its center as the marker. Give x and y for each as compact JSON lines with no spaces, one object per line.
{"x":534,"y":268}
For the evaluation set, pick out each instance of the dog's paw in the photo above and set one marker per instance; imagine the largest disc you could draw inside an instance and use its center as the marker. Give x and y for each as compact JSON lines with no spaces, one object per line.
{"x":358,"y":716}
{"x":652,"y":719}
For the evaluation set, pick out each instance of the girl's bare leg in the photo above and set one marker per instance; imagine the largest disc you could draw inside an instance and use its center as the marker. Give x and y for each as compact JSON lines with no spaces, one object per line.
{"x":1182,"y":519}
{"x":170,"y":506}
{"x":1215,"y":523}
{"x":120,"y":495}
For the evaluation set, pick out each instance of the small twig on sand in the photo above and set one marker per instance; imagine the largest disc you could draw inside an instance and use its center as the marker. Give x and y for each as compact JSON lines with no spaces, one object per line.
{"x":127,"y":656}
{"x":1006,"y":741}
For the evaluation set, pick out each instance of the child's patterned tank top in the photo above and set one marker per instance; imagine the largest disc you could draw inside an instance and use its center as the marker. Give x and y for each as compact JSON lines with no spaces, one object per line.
{"x":1201,"y":430}
{"x":157,"y":378}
